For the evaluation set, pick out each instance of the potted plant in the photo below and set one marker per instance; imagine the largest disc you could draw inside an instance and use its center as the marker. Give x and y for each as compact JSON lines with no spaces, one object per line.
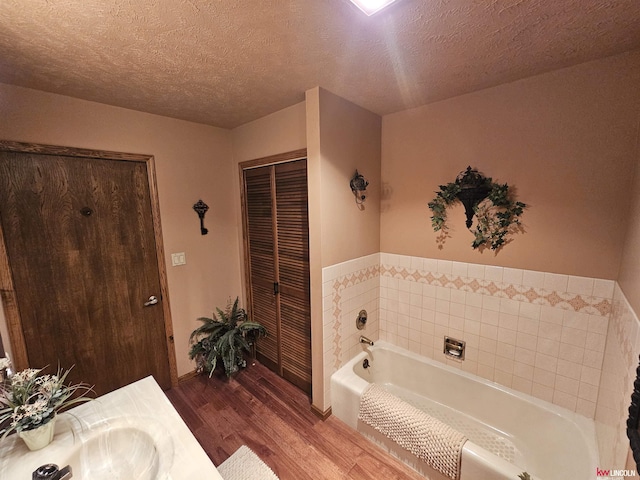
{"x":29,"y":402}
{"x":225,"y":336}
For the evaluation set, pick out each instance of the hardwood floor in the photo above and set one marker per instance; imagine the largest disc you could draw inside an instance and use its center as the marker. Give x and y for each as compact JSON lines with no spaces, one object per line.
{"x":274,"y":419}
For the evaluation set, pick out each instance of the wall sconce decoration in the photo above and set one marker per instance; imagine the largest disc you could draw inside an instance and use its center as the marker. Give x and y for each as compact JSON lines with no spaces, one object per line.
{"x":358,"y":186}
{"x":474,"y":188}
{"x":201,"y":208}
{"x":497,"y":214}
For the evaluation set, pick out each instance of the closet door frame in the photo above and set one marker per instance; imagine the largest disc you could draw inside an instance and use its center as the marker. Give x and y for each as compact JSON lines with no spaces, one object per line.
{"x":247,"y":165}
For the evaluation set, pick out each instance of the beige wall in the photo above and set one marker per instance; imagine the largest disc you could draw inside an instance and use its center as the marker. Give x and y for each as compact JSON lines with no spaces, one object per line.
{"x":350,"y":139}
{"x":566,"y":140}
{"x":280,"y":132}
{"x":314,"y":186}
{"x":341,"y":137}
{"x":629,"y":278}
{"x":192,"y":161}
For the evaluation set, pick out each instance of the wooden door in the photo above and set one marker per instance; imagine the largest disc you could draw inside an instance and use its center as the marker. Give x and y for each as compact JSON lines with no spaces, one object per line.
{"x":292,"y":240}
{"x":277,"y":231}
{"x":80,"y":243}
{"x":263,"y":307}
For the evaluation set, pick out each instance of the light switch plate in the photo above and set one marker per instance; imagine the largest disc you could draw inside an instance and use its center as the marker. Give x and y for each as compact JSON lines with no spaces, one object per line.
{"x":179,"y":258}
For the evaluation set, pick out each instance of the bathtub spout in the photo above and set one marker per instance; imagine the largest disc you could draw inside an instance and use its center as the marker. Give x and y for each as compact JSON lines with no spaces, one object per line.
{"x":364,"y":339}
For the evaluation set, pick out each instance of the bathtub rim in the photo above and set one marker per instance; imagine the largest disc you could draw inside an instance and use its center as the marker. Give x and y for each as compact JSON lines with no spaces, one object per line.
{"x":358,"y":384}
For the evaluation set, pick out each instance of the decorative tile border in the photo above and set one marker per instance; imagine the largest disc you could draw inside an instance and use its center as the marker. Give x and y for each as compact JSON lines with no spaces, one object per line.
{"x":339,"y":284}
{"x":624,"y":325}
{"x":538,"y":296}
{"x":618,"y":376}
{"x":337,"y":324}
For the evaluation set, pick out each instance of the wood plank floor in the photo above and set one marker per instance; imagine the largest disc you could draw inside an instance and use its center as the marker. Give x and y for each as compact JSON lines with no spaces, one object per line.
{"x":274,"y":419}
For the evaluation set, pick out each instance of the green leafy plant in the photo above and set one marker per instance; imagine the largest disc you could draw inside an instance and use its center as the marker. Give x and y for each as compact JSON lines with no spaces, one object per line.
{"x":29,"y":400}
{"x":447,"y":196}
{"x":497,"y":214}
{"x":225,"y":336}
{"x":497,"y":217}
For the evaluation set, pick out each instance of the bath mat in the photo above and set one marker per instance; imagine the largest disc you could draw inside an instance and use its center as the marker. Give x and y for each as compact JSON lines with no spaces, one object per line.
{"x":245,"y":465}
{"x":414,"y":430}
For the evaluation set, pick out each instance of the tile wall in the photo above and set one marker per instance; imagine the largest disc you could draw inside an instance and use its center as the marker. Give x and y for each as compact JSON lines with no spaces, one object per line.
{"x":348,"y":288}
{"x":618,"y":374}
{"x":540,"y":333}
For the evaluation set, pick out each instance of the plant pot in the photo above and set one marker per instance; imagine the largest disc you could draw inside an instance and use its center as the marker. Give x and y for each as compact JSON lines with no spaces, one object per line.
{"x":39,"y":437}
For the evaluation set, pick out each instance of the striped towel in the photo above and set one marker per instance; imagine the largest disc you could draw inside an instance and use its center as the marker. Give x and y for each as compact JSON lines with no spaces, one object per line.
{"x":426,"y":437}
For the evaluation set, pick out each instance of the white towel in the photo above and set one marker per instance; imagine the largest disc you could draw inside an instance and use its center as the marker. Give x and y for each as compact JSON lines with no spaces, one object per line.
{"x":414,"y":430}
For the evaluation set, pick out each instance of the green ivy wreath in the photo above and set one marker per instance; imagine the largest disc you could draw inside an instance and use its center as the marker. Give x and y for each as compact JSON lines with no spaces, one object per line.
{"x":496,"y":216}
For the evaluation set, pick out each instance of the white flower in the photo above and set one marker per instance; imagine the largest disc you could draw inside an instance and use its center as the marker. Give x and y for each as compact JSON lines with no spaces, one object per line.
{"x":4,"y":363}
{"x":48,"y":384}
{"x":24,"y":376}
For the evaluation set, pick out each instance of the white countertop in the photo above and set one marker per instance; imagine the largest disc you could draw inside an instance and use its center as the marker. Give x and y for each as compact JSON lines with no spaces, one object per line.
{"x":140,"y":406}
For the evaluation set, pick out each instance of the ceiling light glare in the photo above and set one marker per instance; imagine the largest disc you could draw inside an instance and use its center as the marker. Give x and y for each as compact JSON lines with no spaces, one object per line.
{"x":372,"y":6}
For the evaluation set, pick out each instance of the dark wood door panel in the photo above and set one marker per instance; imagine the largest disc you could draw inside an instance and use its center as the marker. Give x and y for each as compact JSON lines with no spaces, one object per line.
{"x":80,"y":239}
{"x":261,"y":249}
{"x":293,"y":263}
{"x":277,"y":227}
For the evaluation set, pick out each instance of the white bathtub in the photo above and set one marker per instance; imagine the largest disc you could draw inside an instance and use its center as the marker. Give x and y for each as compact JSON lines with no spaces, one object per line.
{"x":509,"y":432}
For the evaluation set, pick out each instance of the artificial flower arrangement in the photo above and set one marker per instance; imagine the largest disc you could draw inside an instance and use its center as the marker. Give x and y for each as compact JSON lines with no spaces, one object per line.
{"x":30,"y":399}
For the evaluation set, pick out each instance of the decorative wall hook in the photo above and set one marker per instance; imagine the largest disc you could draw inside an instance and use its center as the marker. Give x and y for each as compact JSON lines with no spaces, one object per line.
{"x":358,"y":186}
{"x":201,"y":208}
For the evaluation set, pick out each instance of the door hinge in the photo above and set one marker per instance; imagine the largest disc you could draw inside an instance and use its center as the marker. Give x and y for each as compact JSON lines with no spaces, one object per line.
{"x":276,"y":288}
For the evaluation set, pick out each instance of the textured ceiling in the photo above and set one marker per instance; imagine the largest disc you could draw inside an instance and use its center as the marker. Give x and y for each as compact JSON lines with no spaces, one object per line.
{"x":227,"y":62}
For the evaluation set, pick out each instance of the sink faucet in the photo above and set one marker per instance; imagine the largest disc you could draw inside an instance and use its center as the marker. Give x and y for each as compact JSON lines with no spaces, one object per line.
{"x":51,"y":471}
{"x":364,"y":339}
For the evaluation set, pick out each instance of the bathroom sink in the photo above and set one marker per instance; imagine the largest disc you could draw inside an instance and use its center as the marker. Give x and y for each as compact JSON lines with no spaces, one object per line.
{"x":122,"y":448}
{"x":132,"y":433}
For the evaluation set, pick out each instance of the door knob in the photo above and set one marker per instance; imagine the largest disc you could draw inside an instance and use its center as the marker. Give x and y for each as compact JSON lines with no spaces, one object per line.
{"x":152,"y":301}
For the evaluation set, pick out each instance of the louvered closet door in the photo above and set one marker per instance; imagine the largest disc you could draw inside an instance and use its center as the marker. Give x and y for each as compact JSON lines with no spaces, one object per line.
{"x":278,"y":248}
{"x":259,"y":212}
{"x":293,"y":269}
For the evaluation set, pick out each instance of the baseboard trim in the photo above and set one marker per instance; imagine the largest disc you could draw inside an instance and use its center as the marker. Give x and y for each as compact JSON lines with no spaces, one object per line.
{"x":187,"y":376}
{"x":319,"y":413}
